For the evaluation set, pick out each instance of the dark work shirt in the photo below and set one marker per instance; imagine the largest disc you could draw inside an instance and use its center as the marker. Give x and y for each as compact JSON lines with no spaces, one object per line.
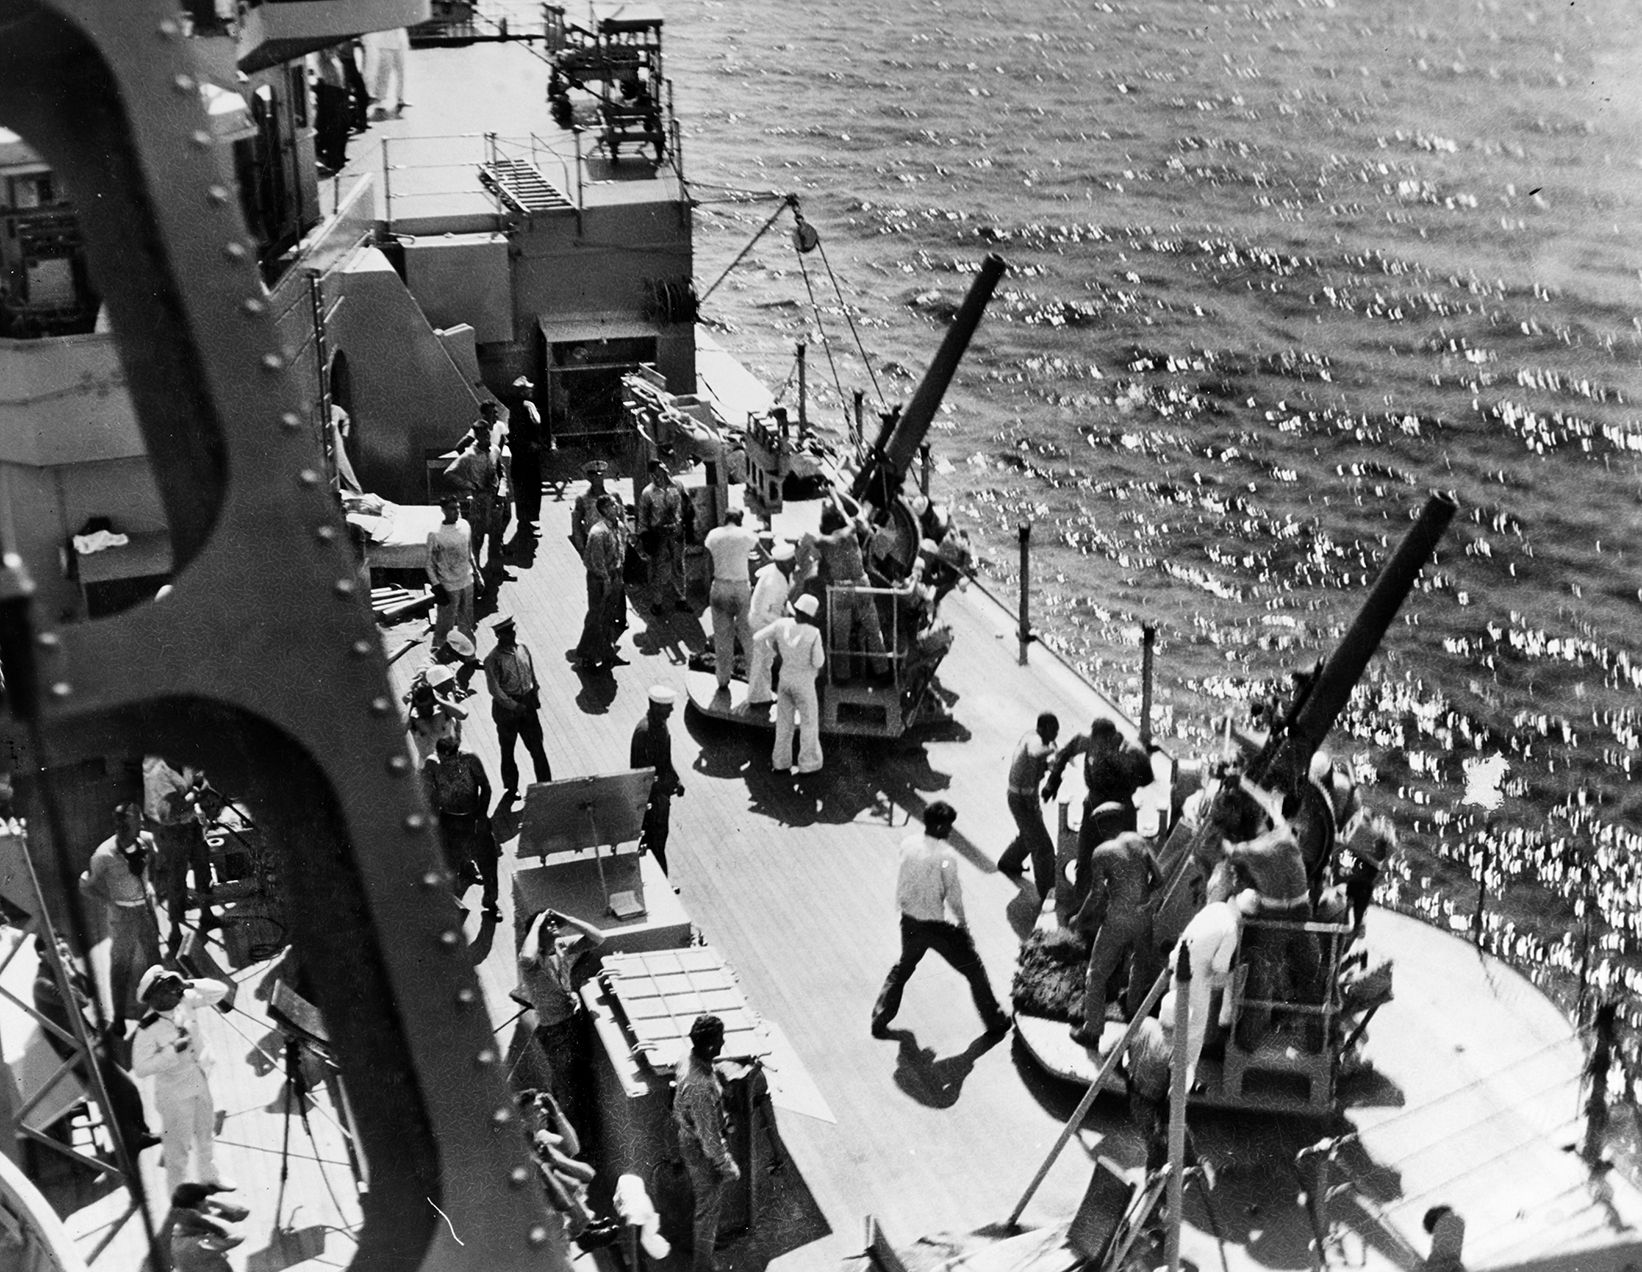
{"x":653,"y":748}
{"x":1111,"y":776}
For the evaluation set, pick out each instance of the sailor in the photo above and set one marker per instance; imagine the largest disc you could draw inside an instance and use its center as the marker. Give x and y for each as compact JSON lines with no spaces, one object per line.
{"x":1371,"y":846}
{"x":661,"y":535}
{"x":194,"y":1233}
{"x":433,"y":714}
{"x":554,"y":943}
{"x":852,"y":615}
{"x":1146,"y":1073}
{"x":525,"y":443}
{"x":1282,"y":957}
{"x":652,"y":747}
{"x":798,"y":640}
{"x":450,"y":571}
{"x":1026,"y":772}
{"x":1117,"y":912}
{"x":170,"y":798}
{"x":928,"y":891}
{"x":1210,"y":941}
{"x":117,"y":875}
{"x":169,"y":1047}
{"x":457,"y":651}
{"x":478,"y":474}
{"x":602,"y":555}
{"x":515,"y":706}
{"x":458,"y":790}
{"x":698,"y":1117}
{"x":585,"y":511}
{"x":1113,"y":770}
{"x":729,"y":547}
{"x":771,"y":591}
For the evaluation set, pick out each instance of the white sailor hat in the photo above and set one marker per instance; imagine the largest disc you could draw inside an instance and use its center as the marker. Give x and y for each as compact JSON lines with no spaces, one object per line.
{"x":783,"y":551}
{"x":438,"y":674}
{"x":152,"y":978}
{"x":807,"y":605}
{"x":459,"y":642}
{"x":662,"y":695}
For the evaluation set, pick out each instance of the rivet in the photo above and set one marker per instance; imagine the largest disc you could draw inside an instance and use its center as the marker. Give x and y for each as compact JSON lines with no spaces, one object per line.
{"x":324,"y":533}
{"x":431,"y":880}
{"x":272,"y":362}
{"x":291,"y":420}
{"x":518,"y":1177}
{"x":398,"y":765}
{"x":217,"y":194}
{"x":538,"y":1236}
{"x":183,"y":83}
{"x":449,"y":939}
{"x":466,"y":996}
{"x":201,"y":138}
{"x":309,"y":477}
{"x":380,"y":706}
{"x":48,"y":640}
{"x":416,"y":821}
{"x":487,"y":1056}
{"x":234,"y":251}
{"x":252,"y":306}
{"x":169,"y":29}
{"x":360,"y":649}
{"x":62,"y":689}
{"x":502,"y":1116}
{"x":343,"y":587}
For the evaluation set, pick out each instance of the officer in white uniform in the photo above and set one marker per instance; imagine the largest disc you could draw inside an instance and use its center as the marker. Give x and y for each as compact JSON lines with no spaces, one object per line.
{"x":170,"y":1048}
{"x":798,"y":640}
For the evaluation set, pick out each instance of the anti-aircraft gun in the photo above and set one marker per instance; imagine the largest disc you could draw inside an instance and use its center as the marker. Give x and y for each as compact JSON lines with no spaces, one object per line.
{"x":914,"y":557}
{"x":1314,"y":988}
{"x":1282,"y":762}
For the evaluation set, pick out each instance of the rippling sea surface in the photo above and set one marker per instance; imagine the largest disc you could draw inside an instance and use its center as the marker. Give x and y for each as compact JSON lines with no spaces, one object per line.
{"x":1277,"y":270}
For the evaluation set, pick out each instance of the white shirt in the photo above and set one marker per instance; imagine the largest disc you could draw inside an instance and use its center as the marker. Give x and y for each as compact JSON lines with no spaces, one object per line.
{"x":154,"y":1049}
{"x":770,"y":592}
{"x":926,"y":885}
{"x":799,"y":645}
{"x":730,"y":546}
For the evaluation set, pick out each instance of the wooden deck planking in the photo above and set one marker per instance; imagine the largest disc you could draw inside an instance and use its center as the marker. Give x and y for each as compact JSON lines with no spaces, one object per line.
{"x":935,"y":1132}
{"x":792,"y":879}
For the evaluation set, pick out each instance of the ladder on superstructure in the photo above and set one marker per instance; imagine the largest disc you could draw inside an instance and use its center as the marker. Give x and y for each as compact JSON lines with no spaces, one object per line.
{"x":20,"y":888}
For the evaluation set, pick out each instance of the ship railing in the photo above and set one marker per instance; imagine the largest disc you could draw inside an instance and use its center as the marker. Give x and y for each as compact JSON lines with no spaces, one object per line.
{"x":419,"y":187}
{"x":1332,"y":940}
{"x":884,"y":601}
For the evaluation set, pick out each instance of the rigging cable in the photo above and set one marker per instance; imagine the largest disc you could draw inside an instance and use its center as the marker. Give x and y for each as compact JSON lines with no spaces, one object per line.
{"x":860,"y":348}
{"x":815,"y":308}
{"x":787,"y":201}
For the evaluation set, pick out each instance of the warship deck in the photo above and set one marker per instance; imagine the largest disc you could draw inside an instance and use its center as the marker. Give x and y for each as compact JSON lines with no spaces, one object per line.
{"x":1472,"y":1094}
{"x":1471,"y":1097}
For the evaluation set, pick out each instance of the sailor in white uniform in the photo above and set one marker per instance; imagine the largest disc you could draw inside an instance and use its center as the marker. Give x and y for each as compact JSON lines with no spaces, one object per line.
{"x":769,"y":602}
{"x":798,"y":640}
{"x":170,"y":1048}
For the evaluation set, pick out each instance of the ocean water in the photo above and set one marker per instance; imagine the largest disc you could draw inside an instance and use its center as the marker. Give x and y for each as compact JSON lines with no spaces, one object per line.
{"x":1277,"y":270}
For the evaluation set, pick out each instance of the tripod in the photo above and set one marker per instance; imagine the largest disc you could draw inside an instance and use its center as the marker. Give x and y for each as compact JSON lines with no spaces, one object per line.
{"x":295,"y":1092}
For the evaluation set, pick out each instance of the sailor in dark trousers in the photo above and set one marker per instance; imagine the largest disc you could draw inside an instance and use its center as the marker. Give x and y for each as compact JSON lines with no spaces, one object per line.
{"x":459,"y":791}
{"x":1113,"y":770}
{"x":653,"y":748}
{"x":515,"y":706}
{"x":1026,"y":769}
{"x":927,"y":890}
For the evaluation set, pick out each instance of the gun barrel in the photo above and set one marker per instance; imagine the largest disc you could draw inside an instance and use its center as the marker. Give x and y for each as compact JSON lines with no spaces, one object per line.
{"x":898,"y":442}
{"x":1350,"y":658}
